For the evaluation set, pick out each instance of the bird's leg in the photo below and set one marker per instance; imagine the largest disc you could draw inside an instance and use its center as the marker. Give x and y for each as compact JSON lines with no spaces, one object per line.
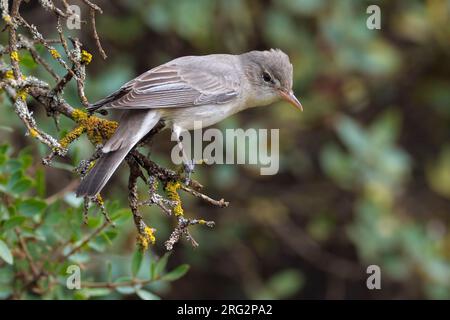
{"x":188,"y":167}
{"x":188,"y":164}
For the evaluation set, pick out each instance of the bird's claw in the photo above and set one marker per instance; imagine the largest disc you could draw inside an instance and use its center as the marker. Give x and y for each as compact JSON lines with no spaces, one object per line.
{"x":188,"y":168}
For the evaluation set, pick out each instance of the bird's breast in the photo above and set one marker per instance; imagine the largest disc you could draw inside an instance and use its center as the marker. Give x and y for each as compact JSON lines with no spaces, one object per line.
{"x":199,"y":116}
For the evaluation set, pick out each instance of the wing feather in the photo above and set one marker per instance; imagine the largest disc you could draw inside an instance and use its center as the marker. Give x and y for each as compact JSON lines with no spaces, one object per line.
{"x":175,"y":85}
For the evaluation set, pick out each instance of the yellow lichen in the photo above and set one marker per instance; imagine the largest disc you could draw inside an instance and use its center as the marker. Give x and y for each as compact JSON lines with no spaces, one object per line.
{"x":98,"y":130}
{"x":7,"y":19}
{"x":79,"y":115}
{"x":9,"y":75}
{"x":91,"y":165}
{"x":171,"y":189}
{"x":146,"y":237}
{"x":72,"y":136}
{"x":21,"y":94}
{"x":33,"y":132}
{"x":86,"y":57}
{"x":55,"y":54}
{"x":100,"y":200}
{"x":15,"y":56}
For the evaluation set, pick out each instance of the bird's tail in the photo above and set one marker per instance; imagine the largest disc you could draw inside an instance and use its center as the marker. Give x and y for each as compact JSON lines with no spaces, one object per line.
{"x":133,"y":126}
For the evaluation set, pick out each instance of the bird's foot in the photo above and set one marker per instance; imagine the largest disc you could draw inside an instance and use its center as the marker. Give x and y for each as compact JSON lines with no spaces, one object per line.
{"x":188,"y":169}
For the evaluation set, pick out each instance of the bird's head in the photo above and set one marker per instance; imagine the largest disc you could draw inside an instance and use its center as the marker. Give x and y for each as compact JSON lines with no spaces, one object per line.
{"x":270,"y":75}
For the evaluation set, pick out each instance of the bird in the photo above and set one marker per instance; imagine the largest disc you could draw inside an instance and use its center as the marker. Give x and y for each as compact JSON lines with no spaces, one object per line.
{"x":188,"y":89}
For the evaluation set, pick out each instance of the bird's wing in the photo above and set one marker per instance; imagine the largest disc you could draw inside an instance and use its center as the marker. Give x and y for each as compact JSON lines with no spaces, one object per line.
{"x":175,"y":85}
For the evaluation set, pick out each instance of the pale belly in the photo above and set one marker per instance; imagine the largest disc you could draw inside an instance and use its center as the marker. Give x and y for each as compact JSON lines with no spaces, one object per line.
{"x":197,"y":117}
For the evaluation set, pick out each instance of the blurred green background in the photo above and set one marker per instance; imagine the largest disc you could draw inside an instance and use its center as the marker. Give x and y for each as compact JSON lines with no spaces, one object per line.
{"x":364,"y":171}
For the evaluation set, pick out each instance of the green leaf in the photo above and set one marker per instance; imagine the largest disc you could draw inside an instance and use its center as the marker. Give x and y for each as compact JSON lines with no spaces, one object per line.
{"x":13,"y":222}
{"x":95,"y":222}
{"x":96,"y":292}
{"x":136,"y":262}
{"x":26,"y":160}
{"x":5,"y":253}
{"x":79,"y":258}
{"x":40,"y":182}
{"x":152,"y":268}
{"x":15,"y":167}
{"x":63,"y":166}
{"x":21,"y":186}
{"x":108,"y":236}
{"x":146,"y":295}
{"x":109,"y":271}
{"x":80,"y":295}
{"x":97,"y":246}
{"x":124,"y":289}
{"x":176,"y":273}
{"x":337,"y":165}
{"x":285,"y":283}
{"x":121,"y":216}
{"x":385,"y":129}
{"x":31,"y":207}
{"x":5,"y":291}
{"x":353,"y":135}
{"x":26,"y":60}
{"x":3,"y":158}
{"x":4,"y":148}
{"x":161,"y":265}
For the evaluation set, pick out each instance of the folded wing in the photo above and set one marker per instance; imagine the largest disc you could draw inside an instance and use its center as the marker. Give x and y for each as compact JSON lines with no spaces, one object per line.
{"x":173,"y":85}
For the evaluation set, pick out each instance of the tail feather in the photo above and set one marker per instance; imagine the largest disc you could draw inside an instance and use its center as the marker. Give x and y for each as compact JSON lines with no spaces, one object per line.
{"x":104,"y":168}
{"x":133,"y":126}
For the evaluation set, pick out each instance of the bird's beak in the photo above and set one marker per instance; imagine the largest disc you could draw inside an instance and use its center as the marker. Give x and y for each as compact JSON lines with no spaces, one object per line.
{"x":290,"y":97}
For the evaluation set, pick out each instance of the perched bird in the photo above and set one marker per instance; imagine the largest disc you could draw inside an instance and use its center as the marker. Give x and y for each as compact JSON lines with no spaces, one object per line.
{"x":186,"y":90}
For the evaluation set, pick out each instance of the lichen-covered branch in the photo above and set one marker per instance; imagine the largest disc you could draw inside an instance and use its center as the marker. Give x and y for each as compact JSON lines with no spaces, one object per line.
{"x":71,"y":55}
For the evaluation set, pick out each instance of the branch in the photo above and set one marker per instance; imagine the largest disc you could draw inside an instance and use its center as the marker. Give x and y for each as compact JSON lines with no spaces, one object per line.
{"x":18,"y":87}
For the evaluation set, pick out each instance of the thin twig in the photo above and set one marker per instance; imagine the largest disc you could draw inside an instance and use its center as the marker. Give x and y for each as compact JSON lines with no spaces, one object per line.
{"x":220,"y":203}
{"x":95,"y":35}
{"x":28,"y":256}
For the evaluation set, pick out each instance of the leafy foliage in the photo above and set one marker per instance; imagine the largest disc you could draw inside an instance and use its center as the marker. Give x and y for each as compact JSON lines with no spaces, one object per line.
{"x":364,"y":172}
{"x":41,"y":237}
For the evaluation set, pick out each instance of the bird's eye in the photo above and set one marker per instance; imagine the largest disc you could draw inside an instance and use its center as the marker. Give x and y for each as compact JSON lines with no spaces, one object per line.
{"x":266,"y":77}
